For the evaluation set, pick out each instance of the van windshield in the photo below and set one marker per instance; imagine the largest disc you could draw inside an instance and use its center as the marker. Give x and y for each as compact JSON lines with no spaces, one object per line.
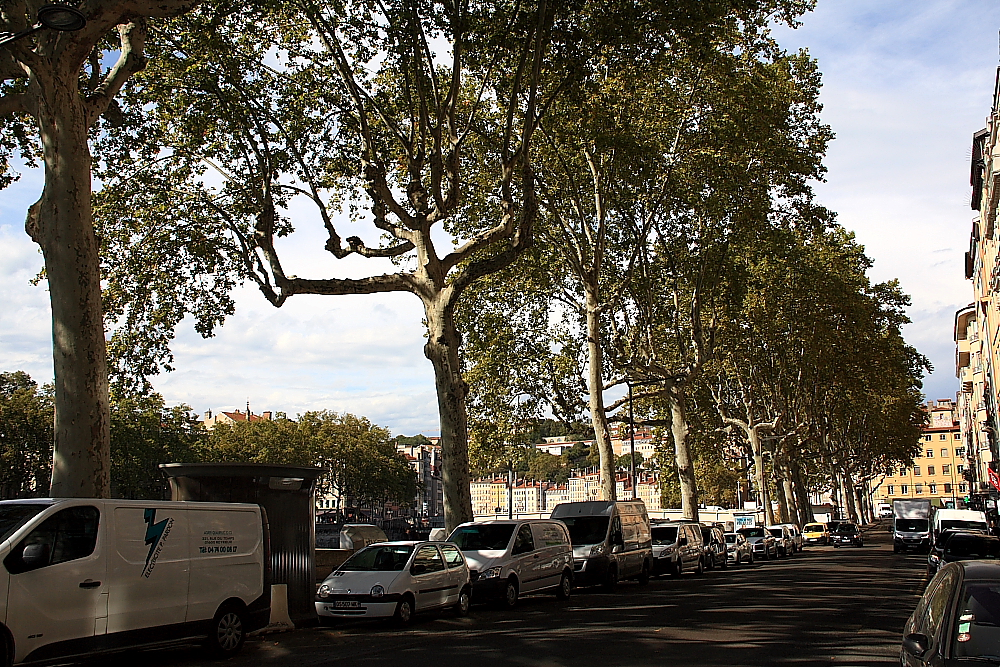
{"x":483,"y":537}
{"x":379,"y":559}
{"x":752,"y":532}
{"x":911,"y":525}
{"x":15,"y":515}
{"x":962,"y":525}
{"x":664,"y":535}
{"x":586,"y":529}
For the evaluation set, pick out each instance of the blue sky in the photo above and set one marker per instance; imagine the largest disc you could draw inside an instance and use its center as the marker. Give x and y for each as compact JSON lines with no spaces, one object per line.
{"x":905,"y":87}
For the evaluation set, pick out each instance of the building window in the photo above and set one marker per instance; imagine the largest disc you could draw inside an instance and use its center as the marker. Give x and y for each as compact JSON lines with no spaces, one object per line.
{"x":958,"y":436}
{"x":928,"y":437}
{"x":944,"y":453}
{"x":960,"y":451}
{"x":930,"y":470}
{"x":947,"y":488}
{"x":961,"y":487}
{"x":932,"y":488}
{"x":960,"y":468}
{"x":890,"y":490}
{"x":946,"y":470}
{"x":902,"y":472}
{"x":919,"y":488}
{"x":943,"y":436}
{"x":930,"y":453}
{"x":916,"y":471}
{"x":904,"y":489}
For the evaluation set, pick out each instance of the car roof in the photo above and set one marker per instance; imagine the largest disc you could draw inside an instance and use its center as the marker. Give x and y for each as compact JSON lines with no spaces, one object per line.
{"x":979,"y":569}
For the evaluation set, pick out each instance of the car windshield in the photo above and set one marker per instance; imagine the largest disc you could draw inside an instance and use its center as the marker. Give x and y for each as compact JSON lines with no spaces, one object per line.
{"x":386,"y":558}
{"x":775,"y":531}
{"x":664,"y":534}
{"x":978,"y":628}
{"x":911,"y":525}
{"x":752,"y":532}
{"x":483,"y":537}
{"x":969,"y":547}
{"x":813,"y":528}
{"x":15,"y":515}
{"x":959,"y":524}
{"x":586,"y":529}
{"x":847,"y":529}
{"x":730,"y":538}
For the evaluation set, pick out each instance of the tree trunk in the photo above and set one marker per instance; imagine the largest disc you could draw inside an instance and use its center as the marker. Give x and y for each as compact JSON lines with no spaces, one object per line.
{"x":759,"y":476}
{"x":682,"y":452}
{"x":848,"y":493}
{"x":61,"y":222}
{"x":595,"y":381}
{"x":442,"y":351}
{"x":790,"y":504}
{"x":805,"y":502}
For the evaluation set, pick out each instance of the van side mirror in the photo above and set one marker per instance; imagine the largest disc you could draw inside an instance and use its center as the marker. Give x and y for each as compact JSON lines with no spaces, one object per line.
{"x":35,"y":555}
{"x":916,"y":644}
{"x":418,"y":568}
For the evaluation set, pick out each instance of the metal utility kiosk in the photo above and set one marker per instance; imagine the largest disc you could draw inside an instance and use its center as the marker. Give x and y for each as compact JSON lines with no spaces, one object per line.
{"x":287,"y":495}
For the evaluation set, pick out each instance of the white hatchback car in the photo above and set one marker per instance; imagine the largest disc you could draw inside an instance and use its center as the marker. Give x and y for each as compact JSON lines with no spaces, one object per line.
{"x":396,"y":579}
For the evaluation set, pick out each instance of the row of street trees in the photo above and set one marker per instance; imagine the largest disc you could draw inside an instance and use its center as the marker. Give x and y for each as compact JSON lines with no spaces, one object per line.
{"x":582,"y":194}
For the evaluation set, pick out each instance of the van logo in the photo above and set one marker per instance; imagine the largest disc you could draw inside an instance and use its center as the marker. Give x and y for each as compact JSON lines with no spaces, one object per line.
{"x":156,"y":536}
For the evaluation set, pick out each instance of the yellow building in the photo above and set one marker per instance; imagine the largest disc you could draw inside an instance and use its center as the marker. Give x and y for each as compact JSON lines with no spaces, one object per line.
{"x":937,"y":470}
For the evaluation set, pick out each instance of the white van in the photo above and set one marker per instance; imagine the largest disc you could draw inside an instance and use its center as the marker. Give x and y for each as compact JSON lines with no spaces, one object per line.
{"x":83,"y":576}
{"x":509,"y":558}
{"x":948,"y":519}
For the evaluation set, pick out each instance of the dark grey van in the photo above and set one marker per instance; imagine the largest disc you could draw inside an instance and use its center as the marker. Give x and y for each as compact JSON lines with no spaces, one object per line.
{"x":611,"y":541}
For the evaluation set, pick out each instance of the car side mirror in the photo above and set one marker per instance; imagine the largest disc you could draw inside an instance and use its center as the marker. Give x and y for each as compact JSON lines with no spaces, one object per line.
{"x":916,"y":644}
{"x":617,"y":549}
{"x":35,"y":555}
{"x":418,"y":568}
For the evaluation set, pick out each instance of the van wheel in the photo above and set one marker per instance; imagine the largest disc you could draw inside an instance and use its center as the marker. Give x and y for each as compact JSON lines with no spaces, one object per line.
{"x":565,"y":587}
{"x":510,"y":594}
{"x":6,"y":650}
{"x":227,"y":633}
{"x":644,"y":575}
{"x":404,"y":611}
{"x":611,"y":579}
{"x":464,"y":602}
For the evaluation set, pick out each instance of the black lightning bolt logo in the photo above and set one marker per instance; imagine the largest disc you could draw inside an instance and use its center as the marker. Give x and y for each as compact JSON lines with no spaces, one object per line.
{"x":154,"y":531}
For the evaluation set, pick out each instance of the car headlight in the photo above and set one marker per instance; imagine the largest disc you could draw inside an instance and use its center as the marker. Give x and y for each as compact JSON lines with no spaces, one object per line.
{"x":597,"y":550}
{"x":491,"y":572}
{"x":377,"y":591}
{"x":935,"y":558}
{"x":324,"y":591}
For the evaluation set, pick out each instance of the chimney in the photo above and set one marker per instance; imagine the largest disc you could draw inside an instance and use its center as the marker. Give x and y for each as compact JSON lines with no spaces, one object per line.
{"x":266,"y":415}
{"x":208,"y":415}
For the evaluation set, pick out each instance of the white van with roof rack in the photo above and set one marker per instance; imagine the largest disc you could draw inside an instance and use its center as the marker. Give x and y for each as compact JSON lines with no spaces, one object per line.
{"x":88,"y":576}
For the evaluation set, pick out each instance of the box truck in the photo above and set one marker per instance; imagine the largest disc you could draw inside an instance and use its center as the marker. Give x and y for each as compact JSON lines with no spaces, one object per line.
{"x":911,"y":525}
{"x":86,"y":576}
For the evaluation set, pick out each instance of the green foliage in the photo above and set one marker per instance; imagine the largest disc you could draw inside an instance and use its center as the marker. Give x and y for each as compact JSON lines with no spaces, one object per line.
{"x":624,"y":462}
{"x":26,"y":413}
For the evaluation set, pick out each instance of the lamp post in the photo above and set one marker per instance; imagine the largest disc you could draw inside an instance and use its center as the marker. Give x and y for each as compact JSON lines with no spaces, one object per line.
{"x":62,"y":18}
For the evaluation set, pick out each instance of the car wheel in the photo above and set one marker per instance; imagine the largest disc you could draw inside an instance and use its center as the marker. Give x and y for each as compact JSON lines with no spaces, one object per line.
{"x":701,"y":567}
{"x":464,"y":602}
{"x":510,"y":594}
{"x":895,"y":549}
{"x":725,"y":563}
{"x":679,"y":568}
{"x":6,"y":650}
{"x":611,"y":579}
{"x":227,"y":634}
{"x":644,"y":575}
{"x":565,"y":587}
{"x":751,"y":561}
{"x":404,"y":611}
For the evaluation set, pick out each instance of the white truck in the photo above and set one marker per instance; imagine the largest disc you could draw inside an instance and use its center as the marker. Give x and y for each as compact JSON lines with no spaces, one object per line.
{"x":88,"y":576}
{"x":911,"y":525}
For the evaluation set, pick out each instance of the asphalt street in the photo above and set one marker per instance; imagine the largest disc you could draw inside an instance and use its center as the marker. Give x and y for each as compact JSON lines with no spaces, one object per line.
{"x":823,"y":606}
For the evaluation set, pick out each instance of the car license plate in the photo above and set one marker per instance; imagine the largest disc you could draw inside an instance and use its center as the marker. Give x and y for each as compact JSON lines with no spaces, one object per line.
{"x":346,"y":604}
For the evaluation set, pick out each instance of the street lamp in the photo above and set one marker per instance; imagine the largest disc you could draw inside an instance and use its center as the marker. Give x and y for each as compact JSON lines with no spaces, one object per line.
{"x":55,"y":17}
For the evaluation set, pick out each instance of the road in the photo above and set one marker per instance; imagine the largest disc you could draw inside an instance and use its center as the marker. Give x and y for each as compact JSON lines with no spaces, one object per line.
{"x":824,"y":606}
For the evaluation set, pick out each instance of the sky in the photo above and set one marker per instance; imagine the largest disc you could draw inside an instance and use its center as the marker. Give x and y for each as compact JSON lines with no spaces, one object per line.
{"x":906,"y":84}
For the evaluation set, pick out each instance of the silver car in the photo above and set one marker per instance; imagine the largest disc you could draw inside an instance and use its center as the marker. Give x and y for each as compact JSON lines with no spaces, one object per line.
{"x":738,"y":549}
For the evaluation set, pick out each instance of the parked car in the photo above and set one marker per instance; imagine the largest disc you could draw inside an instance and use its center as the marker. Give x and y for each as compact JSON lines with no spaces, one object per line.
{"x":508,"y":558}
{"x":677,"y":548}
{"x":816,"y":533}
{"x":798,"y":542}
{"x":611,"y":541}
{"x":761,"y":541}
{"x":782,"y":540}
{"x":957,"y":620}
{"x":738,"y":550}
{"x":847,"y":534}
{"x":714,"y":541}
{"x":957,"y":545}
{"x":397,"y":579}
{"x":84,"y":575}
